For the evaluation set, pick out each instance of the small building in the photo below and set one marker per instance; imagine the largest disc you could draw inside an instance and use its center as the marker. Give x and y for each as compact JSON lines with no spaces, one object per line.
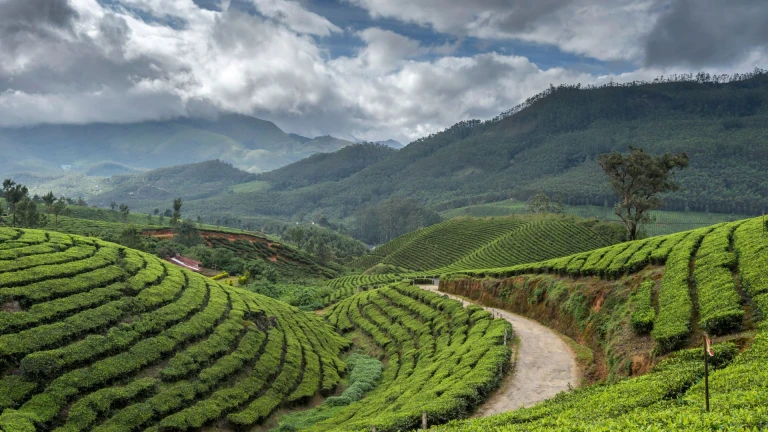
{"x":187,"y":263}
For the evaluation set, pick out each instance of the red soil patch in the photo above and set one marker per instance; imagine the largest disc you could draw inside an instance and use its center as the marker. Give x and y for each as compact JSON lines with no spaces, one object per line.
{"x":167,"y":233}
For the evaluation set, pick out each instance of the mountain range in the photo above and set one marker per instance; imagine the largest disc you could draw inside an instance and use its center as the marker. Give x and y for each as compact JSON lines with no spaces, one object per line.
{"x":252,"y":144}
{"x":548,"y":144}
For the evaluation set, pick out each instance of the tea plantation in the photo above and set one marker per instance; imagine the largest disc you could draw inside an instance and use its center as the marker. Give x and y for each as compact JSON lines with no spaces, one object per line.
{"x":94,"y":336}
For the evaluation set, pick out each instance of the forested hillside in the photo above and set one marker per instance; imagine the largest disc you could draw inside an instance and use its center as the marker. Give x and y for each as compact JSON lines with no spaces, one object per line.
{"x":550,"y":144}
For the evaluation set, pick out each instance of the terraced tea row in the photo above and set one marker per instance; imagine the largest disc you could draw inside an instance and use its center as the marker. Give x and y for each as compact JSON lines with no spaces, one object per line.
{"x":346,"y":286}
{"x":531,"y":242}
{"x":607,"y":262}
{"x":110,"y":338}
{"x":442,"y":359}
{"x":446,"y":243}
{"x":671,"y":397}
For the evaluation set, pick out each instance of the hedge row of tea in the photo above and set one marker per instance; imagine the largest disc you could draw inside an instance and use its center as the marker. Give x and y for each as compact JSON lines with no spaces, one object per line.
{"x":708,"y":263}
{"x":94,"y":336}
{"x":467,"y":243}
{"x":442,"y":359}
{"x":531,"y":242}
{"x":443,"y":244}
{"x":671,"y":397}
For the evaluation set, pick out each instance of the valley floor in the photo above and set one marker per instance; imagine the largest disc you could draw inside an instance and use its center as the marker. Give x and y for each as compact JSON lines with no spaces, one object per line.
{"x":545,"y":365}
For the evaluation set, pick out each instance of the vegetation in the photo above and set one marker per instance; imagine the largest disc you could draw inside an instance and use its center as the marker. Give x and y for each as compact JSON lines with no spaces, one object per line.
{"x":638,"y":179}
{"x":364,"y":373}
{"x":668,"y":398}
{"x":442,"y":359}
{"x":469,"y":243}
{"x":380,"y":223}
{"x":719,"y":125}
{"x":136,"y":342}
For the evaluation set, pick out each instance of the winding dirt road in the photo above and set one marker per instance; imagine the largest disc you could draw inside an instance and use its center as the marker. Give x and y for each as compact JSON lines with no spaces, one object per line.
{"x":545,"y":365}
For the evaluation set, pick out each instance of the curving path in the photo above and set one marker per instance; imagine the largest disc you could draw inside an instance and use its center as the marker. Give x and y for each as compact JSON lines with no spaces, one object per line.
{"x":545,"y":365}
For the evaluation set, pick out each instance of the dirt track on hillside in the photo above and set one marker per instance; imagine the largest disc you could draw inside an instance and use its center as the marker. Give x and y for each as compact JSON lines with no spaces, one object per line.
{"x":545,"y":366}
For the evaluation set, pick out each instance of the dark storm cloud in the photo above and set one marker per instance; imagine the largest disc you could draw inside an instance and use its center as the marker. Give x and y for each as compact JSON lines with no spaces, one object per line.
{"x":16,"y":15}
{"x":707,"y":32}
{"x":22,"y":21}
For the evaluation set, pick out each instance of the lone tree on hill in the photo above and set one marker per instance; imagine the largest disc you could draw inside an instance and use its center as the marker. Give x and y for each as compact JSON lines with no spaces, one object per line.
{"x":176,"y":211}
{"x":125,"y":210}
{"x":638,"y":178}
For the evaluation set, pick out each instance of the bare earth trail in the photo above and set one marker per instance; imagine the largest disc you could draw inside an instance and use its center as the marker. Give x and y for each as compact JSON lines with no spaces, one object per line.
{"x":545,"y":365}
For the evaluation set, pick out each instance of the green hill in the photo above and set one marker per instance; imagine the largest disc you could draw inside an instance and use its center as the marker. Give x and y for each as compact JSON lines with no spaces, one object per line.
{"x":96,"y":336}
{"x":469,"y":243}
{"x":550,"y":144}
{"x":640,"y":310}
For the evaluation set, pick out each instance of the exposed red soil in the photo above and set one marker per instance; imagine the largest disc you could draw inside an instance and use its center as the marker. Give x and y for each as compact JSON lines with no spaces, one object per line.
{"x":167,"y":233}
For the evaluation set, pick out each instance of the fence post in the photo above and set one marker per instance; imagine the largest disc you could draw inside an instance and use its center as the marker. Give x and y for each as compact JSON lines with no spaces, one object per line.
{"x":424,"y":420}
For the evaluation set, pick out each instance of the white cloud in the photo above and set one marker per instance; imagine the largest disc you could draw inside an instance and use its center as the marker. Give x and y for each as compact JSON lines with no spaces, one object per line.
{"x":385,"y":50}
{"x":602,"y":29}
{"x":296,"y":17}
{"x":94,"y":64}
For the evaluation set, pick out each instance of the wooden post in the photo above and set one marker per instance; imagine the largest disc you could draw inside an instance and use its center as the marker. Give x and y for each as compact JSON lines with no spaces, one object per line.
{"x":424,"y":420}
{"x":505,"y":337}
{"x":373,"y":428}
{"x":706,"y":374}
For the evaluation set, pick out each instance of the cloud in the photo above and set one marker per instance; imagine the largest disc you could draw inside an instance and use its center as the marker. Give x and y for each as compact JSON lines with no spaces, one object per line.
{"x":385,"y":49}
{"x":708,"y":33}
{"x":602,"y":29}
{"x":296,"y":17}
{"x":82,"y":61}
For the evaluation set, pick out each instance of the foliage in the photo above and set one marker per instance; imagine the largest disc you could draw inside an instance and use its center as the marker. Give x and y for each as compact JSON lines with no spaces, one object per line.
{"x":97,"y":319}
{"x":444,"y":368}
{"x":541,"y":203}
{"x":306,"y":296}
{"x":668,"y":398}
{"x":187,"y":234}
{"x":364,"y":372}
{"x":471,"y":243}
{"x":638,"y":179}
{"x":382,"y":222}
{"x":643,"y":315}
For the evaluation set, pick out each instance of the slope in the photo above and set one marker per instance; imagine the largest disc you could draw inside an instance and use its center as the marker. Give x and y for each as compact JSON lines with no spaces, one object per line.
{"x":471,"y":243}
{"x":96,"y":336}
{"x":326,"y":166}
{"x":637,"y":307}
{"x":550,"y":144}
{"x":532,"y":242}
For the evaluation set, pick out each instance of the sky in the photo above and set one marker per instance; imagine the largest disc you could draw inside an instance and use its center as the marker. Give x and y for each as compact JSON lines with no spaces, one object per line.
{"x":368,"y":69}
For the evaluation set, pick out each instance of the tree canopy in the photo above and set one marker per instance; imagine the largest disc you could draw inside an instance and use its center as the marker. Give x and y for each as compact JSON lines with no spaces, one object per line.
{"x":638,"y":178}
